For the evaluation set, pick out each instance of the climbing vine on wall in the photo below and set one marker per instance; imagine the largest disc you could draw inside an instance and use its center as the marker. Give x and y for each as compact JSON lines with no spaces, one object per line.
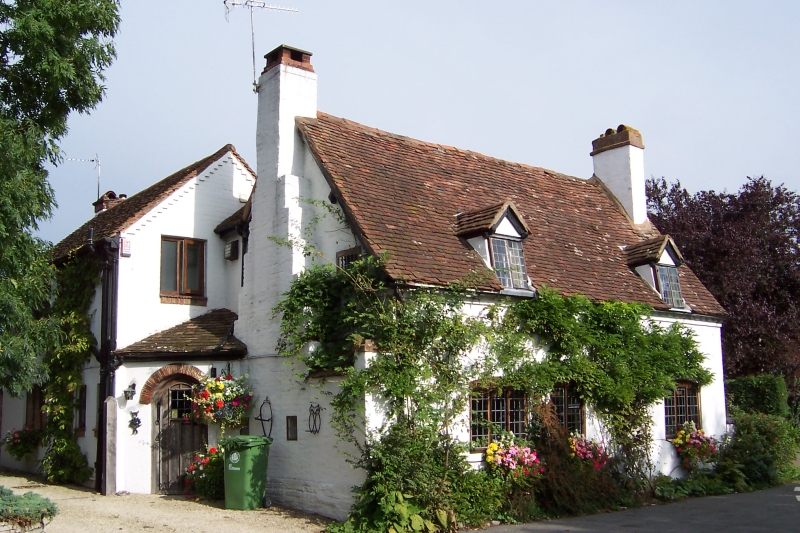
{"x":430,"y":353}
{"x":63,"y":461}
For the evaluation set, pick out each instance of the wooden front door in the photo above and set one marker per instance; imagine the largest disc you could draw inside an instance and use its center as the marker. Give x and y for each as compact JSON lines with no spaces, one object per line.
{"x":177,"y":436}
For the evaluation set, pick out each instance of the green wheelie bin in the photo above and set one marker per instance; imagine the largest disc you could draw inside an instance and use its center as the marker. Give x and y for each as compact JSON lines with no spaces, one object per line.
{"x":246,"y":459}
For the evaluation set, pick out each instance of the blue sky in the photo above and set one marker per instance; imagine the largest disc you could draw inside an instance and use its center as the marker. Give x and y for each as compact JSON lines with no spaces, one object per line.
{"x":712,"y":86}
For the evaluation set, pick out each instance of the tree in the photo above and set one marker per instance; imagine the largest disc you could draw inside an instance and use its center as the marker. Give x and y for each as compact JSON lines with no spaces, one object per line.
{"x":744,"y":248}
{"x":52,"y":55}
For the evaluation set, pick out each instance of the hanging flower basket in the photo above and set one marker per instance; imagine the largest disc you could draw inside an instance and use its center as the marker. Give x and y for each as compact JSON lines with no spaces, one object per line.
{"x":223,"y":400}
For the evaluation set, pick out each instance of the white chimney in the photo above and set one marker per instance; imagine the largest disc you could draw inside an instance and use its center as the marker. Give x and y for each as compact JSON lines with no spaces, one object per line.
{"x":618,"y":158}
{"x":286,"y":89}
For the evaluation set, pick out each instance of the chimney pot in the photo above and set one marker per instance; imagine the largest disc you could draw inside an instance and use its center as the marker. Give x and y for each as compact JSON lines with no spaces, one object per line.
{"x":287,"y":55}
{"x":109,"y":199}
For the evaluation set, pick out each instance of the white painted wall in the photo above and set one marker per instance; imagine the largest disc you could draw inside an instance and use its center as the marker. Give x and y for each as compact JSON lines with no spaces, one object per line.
{"x":622,"y":171}
{"x":193,"y":211}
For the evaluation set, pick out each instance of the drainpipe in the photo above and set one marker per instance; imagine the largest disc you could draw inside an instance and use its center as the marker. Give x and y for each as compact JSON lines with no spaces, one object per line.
{"x":109,"y":362}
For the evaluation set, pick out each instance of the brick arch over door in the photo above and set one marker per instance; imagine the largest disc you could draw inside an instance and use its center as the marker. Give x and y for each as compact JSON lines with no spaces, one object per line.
{"x":163,"y":373}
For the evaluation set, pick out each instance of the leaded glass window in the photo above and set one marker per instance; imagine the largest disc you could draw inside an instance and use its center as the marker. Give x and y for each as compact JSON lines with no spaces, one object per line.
{"x":507,"y":409}
{"x":509,"y":263}
{"x":680,"y":407}
{"x":669,"y":285}
{"x":569,"y":407}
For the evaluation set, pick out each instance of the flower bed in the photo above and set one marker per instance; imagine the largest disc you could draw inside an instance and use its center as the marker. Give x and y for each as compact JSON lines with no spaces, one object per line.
{"x":22,"y":442}
{"x":514,"y":461}
{"x":694,"y":448}
{"x":589,"y":452}
{"x":205,"y":474}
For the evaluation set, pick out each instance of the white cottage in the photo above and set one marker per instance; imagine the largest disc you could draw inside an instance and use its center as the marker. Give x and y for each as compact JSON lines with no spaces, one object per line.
{"x":193,"y":271}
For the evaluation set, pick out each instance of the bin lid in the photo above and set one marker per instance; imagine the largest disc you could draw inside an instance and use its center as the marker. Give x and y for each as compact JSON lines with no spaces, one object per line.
{"x":240,"y":442}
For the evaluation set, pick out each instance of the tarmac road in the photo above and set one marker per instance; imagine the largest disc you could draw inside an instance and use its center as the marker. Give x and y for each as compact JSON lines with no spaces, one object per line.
{"x":775,"y":510}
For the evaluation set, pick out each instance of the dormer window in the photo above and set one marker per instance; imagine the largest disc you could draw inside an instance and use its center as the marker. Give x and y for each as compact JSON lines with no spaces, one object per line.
{"x":657,"y":261}
{"x":669,"y":285}
{"x":508,"y":263}
{"x":496,"y":233}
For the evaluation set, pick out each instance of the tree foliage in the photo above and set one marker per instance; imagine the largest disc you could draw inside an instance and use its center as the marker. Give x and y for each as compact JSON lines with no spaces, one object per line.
{"x":744,"y":247}
{"x":52,"y":54}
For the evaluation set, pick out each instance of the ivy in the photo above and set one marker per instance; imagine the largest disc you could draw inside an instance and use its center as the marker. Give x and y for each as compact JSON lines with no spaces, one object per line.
{"x":429,"y":353}
{"x":63,"y":461}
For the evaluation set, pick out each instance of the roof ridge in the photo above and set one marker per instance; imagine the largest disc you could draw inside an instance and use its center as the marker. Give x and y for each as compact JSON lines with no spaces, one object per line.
{"x":412,"y":140}
{"x":105,"y":222}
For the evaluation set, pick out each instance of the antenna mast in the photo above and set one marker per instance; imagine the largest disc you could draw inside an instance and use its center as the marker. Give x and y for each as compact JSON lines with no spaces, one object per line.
{"x":231,"y":4}
{"x":96,"y":162}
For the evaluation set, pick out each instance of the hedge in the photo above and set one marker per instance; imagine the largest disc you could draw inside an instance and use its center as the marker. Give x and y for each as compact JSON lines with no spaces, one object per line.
{"x":759,"y":394}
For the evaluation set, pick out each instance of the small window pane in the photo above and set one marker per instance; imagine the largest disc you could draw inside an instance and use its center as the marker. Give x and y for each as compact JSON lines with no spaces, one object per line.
{"x":180,"y":402}
{"x":169,"y":266}
{"x":193,"y":257}
{"x":517,"y":419}
{"x":509,"y":263}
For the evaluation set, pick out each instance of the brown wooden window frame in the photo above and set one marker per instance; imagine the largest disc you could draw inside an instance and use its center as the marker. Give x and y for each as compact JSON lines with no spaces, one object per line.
{"x":564,"y":416}
{"x":35,"y":417}
{"x":183,"y":294}
{"x":509,"y":423}
{"x":345,"y":258}
{"x":682,"y":392}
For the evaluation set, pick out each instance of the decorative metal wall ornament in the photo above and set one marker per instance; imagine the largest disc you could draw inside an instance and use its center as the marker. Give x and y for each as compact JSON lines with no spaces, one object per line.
{"x":266,"y":403}
{"x":134,"y":423}
{"x":314,"y":418}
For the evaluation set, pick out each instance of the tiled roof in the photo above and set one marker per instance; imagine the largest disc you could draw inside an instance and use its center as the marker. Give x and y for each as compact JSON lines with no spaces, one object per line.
{"x":210,"y":334}
{"x":650,"y":250}
{"x":231,"y":222}
{"x":484,"y":219}
{"x":402,"y":197}
{"x":123,"y":213}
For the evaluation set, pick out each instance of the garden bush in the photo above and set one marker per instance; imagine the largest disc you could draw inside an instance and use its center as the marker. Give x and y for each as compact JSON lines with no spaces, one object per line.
{"x":571,"y":485}
{"x":759,"y":394}
{"x":765,"y":446}
{"x":27,"y":510}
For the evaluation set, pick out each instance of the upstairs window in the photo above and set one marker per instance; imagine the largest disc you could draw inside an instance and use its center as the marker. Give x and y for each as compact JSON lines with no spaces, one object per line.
{"x":669,"y":285}
{"x":508,"y":263}
{"x":345,"y":258}
{"x":182,"y":267}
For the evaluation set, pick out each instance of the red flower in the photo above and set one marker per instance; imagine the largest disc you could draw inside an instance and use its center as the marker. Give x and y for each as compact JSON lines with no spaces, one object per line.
{"x":219,"y":378}
{"x":208,"y":407}
{"x":212,"y":450}
{"x":228,"y":377}
{"x":220,"y":404}
{"x":191,"y":468}
{"x":196,"y":458}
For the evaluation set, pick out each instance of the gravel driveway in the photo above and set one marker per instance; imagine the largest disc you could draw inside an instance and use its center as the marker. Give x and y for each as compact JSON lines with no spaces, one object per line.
{"x":82,"y":510}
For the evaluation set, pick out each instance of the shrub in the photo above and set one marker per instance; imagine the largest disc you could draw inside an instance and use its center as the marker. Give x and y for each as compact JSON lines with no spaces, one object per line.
{"x":22,"y":442}
{"x":759,"y":394}
{"x":206,"y":474}
{"x":27,"y":510}
{"x":571,"y":485}
{"x":765,"y":446}
{"x":478,"y":497}
{"x":64,"y":462}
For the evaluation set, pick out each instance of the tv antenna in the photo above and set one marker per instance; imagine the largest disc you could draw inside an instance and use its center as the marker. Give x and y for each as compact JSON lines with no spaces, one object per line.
{"x":231,"y":4}
{"x":96,"y":162}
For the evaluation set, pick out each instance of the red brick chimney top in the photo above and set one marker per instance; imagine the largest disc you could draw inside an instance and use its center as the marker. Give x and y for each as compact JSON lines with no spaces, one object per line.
{"x":286,"y":55}
{"x":109,"y":199}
